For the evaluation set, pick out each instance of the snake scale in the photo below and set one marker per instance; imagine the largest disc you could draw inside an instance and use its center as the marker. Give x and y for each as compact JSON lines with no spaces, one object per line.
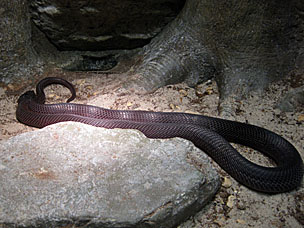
{"x":212,"y":135}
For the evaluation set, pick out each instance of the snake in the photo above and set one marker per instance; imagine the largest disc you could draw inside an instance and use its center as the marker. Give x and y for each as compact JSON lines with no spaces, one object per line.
{"x":210,"y":134}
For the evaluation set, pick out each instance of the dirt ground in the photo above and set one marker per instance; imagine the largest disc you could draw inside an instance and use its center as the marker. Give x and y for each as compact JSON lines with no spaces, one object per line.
{"x":234,"y":205}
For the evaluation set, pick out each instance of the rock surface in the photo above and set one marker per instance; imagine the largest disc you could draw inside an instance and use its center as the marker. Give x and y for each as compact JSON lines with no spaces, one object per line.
{"x":71,"y":173}
{"x":101,"y":24}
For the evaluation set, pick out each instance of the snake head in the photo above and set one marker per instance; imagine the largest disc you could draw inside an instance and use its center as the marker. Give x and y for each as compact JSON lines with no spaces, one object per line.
{"x":28,"y":95}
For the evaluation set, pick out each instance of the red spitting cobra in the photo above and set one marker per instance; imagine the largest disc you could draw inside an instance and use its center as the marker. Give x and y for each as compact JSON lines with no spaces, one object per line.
{"x":209,"y":134}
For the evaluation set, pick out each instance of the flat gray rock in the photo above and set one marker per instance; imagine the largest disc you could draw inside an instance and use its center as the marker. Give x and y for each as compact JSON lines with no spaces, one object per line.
{"x":71,"y":173}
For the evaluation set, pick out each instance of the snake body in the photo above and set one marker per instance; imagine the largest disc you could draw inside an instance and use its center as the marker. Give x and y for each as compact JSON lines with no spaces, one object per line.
{"x":210,"y":134}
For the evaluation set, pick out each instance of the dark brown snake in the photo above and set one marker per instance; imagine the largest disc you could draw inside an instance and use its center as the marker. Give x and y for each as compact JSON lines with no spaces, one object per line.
{"x":209,"y":134}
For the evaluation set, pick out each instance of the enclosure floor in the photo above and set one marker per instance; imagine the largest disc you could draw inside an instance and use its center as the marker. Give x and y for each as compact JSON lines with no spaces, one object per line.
{"x":234,"y":205}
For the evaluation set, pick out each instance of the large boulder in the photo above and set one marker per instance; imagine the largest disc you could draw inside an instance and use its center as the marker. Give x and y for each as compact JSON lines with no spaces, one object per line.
{"x":71,"y":173}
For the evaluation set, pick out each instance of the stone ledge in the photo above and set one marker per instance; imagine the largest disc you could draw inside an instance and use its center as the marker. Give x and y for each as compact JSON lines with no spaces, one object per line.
{"x":71,"y":173}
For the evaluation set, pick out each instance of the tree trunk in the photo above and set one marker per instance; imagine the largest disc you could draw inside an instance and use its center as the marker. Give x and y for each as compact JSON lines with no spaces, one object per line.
{"x":17,"y":58}
{"x":244,"y":44}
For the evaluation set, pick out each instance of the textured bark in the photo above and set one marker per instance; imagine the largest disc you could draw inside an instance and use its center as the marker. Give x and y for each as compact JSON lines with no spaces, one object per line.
{"x":177,"y":54}
{"x":244,"y":44}
{"x":16,"y":55}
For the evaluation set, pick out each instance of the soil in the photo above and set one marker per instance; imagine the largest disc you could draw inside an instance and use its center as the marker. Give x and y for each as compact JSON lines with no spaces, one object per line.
{"x":234,"y":205}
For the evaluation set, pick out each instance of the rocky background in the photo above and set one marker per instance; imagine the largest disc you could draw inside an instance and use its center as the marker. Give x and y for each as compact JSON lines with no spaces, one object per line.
{"x":102,"y":25}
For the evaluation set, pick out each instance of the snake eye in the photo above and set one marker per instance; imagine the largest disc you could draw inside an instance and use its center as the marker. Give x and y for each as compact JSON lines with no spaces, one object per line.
{"x":27,"y":96}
